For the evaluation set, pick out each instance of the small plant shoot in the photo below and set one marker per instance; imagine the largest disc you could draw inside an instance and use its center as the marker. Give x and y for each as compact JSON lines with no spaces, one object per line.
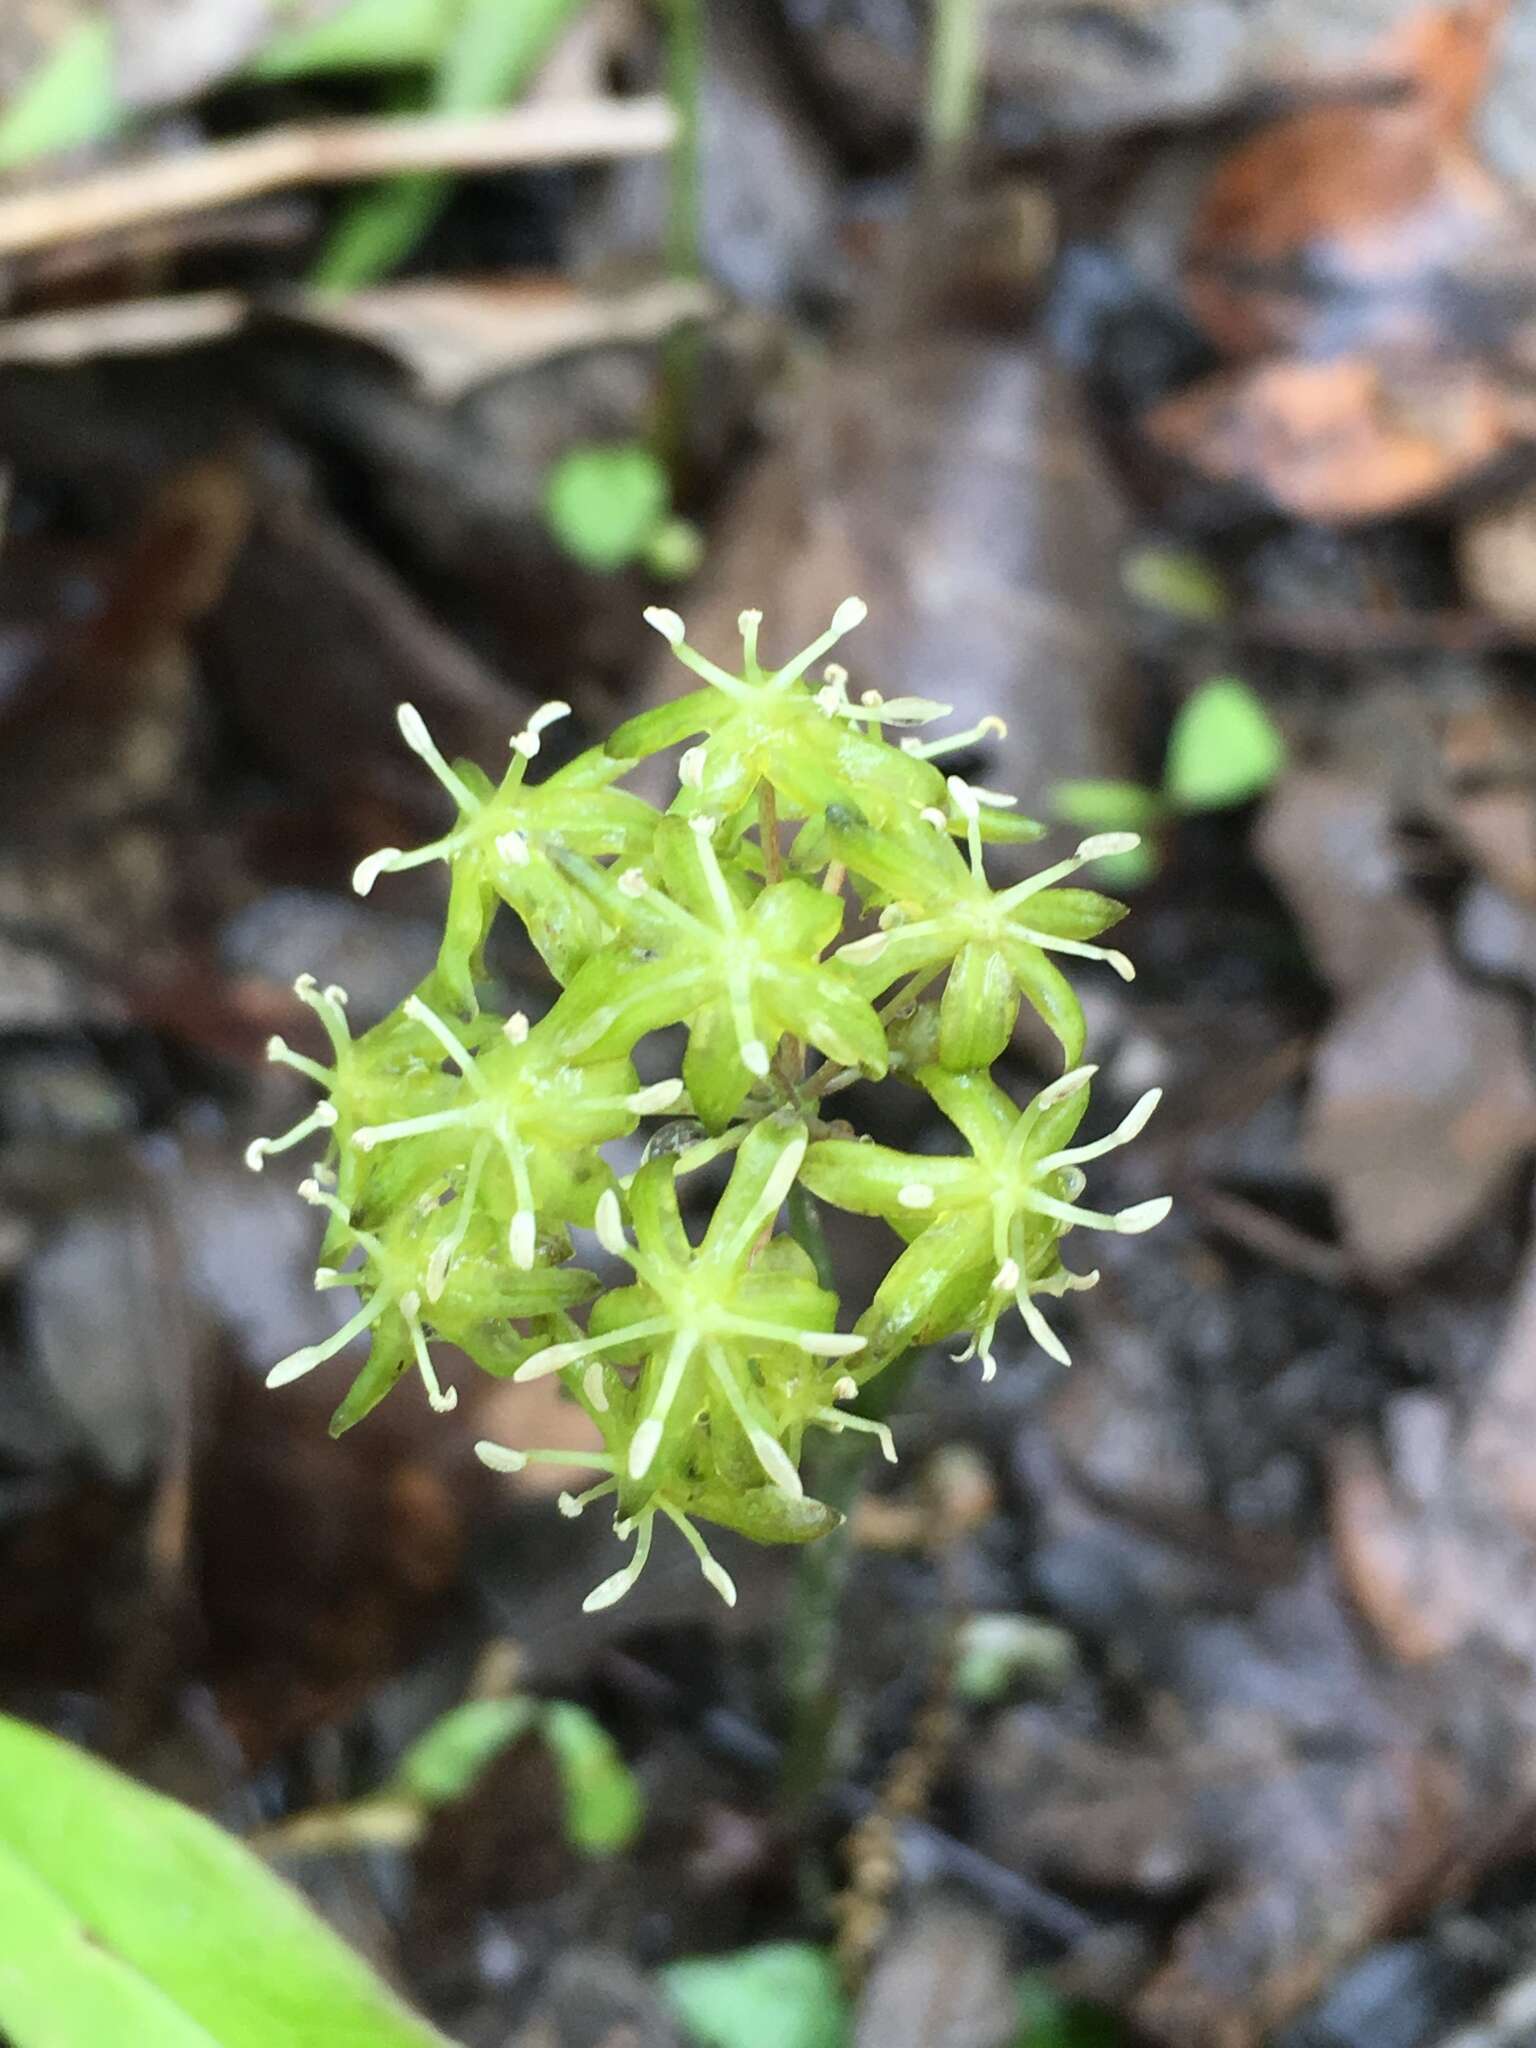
{"x":813,"y":908}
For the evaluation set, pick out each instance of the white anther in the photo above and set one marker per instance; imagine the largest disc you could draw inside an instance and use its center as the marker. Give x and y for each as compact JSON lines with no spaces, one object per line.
{"x":704,"y":825}
{"x":871,"y":699}
{"x":829,"y":1343}
{"x":998,"y":799}
{"x":932,"y":815}
{"x":651,"y":1101}
{"x":1143,"y":1216}
{"x":632,"y":882}
{"x":499,"y":1458}
{"x":1064,"y":1087}
{"x":860,"y":950}
{"x":608,"y":1222}
{"x":917,"y":1194}
{"x":690,"y":768}
{"x":846,"y":1388}
{"x":1007,"y":1276}
{"x":964,"y":796}
{"x":515,"y":1030}
{"x":413,"y":728}
{"x":513,"y":848}
{"x":835,"y":674}
{"x":643,"y":1446}
{"x":523,"y":1239}
{"x":748,"y":622}
{"x":526,"y":742}
{"x":853,"y":611}
{"x":667,"y":624}
{"x":368,"y":871}
{"x":1103,"y":844}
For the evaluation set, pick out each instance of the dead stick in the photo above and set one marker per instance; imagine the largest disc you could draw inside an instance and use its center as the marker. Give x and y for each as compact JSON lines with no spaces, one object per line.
{"x":548,"y":132}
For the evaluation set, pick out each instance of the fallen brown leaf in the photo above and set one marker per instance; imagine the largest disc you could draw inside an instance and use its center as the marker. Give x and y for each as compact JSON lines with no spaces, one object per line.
{"x":1346,"y":440}
{"x":1358,"y":194}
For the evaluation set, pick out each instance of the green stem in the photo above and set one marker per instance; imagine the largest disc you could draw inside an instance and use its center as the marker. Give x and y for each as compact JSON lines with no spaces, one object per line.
{"x":954,"y":78}
{"x":835,"y":1471}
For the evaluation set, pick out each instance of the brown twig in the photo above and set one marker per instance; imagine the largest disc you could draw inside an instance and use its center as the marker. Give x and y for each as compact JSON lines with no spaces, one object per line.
{"x":329,"y":153}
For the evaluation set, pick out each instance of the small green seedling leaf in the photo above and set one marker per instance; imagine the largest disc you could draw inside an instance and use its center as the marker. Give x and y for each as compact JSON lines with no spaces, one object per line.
{"x":605,"y":503}
{"x":603,"y":1802}
{"x":996,"y":1652}
{"x":783,"y":1995}
{"x":71,"y":98}
{"x":128,"y":1919}
{"x":444,"y":1763}
{"x":1224,"y":748}
{"x":1174,"y":581}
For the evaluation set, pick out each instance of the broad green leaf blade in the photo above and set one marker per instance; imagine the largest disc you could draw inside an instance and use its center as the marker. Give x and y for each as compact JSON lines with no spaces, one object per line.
{"x":98,"y":1866}
{"x":70,"y":99}
{"x":1224,"y":748}
{"x":783,"y":1995}
{"x":603,"y":1801}
{"x":443,"y":1763}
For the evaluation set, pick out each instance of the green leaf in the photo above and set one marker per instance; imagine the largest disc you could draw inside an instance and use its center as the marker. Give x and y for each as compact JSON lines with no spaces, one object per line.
{"x":1224,"y":748}
{"x":443,"y":1764}
{"x":783,"y":1995}
{"x":603,"y":1802}
{"x":604,"y":504}
{"x":368,"y":35}
{"x":69,"y":100}
{"x":130,"y":1920}
{"x":485,"y":52}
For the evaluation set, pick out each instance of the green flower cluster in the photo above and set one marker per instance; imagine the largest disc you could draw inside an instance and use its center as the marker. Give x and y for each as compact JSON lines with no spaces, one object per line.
{"x":464,"y":1147}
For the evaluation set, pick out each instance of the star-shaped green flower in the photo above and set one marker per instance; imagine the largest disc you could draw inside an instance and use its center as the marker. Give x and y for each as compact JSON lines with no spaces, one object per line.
{"x":524,"y":1110}
{"x":411,"y":1293}
{"x":728,"y":1355}
{"x":741,"y":970}
{"x":810,"y":743}
{"x":983,"y":1231}
{"x":495,"y":852}
{"x":942,"y":912}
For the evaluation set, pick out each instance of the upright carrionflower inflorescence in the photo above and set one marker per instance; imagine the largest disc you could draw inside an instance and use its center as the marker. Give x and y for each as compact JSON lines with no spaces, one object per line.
{"x":811,"y":908}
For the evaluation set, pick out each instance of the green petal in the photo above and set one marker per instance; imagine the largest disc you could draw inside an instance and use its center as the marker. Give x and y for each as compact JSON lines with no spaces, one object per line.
{"x":390,"y":1357}
{"x":934,"y":1289}
{"x":868,"y":1179}
{"x":985,"y":1114}
{"x":795,"y":918}
{"x":765,"y":1514}
{"x":978,"y":1010}
{"x":713,"y":1074}
{"x":1049,"y":993}
{"x":658,"y":1220}
{"x":814,"y":1003}
{"x":748,"y":1200}
{"x":665,"y":725}
{"x":1071,"y":913}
